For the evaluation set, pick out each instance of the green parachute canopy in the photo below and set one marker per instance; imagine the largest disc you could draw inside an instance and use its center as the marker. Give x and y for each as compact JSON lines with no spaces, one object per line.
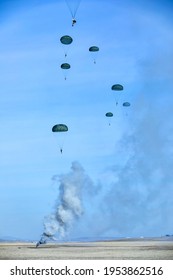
{"x":59,"y":128}
{"x":66,"y":40}
{"x":126,"y":104}
{"x":109,"y":114}
{"x":65,"y":66}
{"x":117,"y":87}
{"x":94,"y":49}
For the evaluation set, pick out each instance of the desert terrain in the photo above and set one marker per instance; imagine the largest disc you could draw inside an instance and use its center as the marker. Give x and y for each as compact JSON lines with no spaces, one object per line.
{"x":130,"y":249}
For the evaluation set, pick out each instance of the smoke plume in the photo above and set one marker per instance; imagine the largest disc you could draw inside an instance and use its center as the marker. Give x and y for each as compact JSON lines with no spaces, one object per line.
{"x":68,"y":206}
{"x":134,"y":196}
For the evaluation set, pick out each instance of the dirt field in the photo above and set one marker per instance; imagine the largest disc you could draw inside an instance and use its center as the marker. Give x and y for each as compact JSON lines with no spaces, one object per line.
{"x":119,"y":250}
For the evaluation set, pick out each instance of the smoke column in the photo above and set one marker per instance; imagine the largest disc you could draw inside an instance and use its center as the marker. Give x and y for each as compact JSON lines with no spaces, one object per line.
{"x":69,"y":206}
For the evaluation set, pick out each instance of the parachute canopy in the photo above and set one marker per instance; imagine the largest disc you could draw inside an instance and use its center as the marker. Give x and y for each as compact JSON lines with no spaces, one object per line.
{"x":126,"y":104}
{"x":94,"y":49}
{"x":109,"y":114}
{"x":117,"y":87}
{"x":65,"y":66}
{"x":66,"y":40}
{"x":59,"y":128}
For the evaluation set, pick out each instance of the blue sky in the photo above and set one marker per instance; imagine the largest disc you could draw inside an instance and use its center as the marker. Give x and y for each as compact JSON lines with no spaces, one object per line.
{"x":131,"y":156}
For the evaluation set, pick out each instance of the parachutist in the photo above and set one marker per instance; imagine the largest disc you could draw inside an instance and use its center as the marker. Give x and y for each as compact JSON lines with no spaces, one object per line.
{"x":61,"y":151}
{"x":73,"y":22}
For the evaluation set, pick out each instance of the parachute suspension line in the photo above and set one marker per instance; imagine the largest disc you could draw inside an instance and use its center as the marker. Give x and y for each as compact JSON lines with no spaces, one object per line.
{"x":73,"y":7}
{"x":68,"y":6}
{"x":77,"y":7}
{"x":65,"y":51}
{"x":61,"y":145}
{"x":60,"y":129}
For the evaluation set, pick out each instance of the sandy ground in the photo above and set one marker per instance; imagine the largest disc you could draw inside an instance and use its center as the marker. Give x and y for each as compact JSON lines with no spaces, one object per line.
{"x":119,"y":250}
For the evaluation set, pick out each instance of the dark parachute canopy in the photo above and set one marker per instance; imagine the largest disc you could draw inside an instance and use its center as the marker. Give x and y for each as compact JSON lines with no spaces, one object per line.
{"x":109,"y":114}
{"x":59,"y":128}
{"x":66,"y":40}
{"x":65,"y":66}
{"x":126,"y":104}
{"x":117,"y":87}
{"x":94,"y":49}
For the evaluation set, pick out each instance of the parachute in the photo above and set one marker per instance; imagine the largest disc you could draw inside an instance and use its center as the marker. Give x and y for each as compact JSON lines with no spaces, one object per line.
{"x":94,"y":50}
{"x":59,"y":128}
{"x":73,"y":6}
{"x":126,"y":104}
{"x":66,"y":40}
{"x":109,"y":115}
{"x":117,"y":87}
{"x":65,"y":66}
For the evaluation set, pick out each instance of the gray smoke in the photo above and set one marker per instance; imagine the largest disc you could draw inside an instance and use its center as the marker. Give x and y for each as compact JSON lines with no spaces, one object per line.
{"x":134,"y":196}
{"x":68,"y":206}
